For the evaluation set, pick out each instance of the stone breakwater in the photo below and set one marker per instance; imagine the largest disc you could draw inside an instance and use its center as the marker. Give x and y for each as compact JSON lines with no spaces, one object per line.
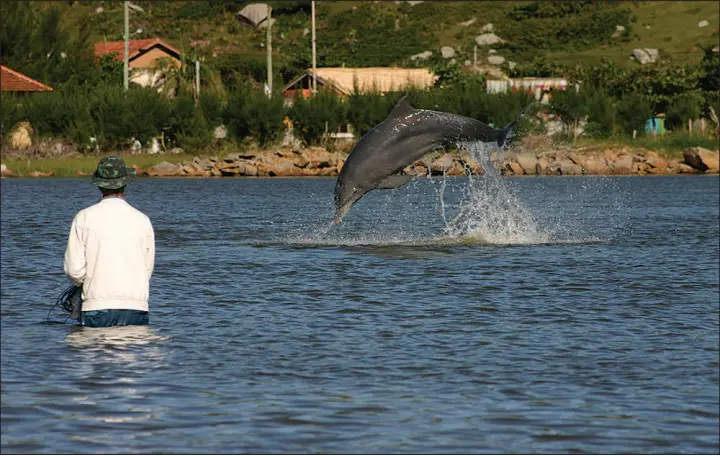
{"x":320,"y":162}
{"x":317,"y":162}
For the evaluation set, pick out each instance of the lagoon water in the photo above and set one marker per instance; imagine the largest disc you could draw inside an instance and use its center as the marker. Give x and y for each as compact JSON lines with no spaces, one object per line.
{"x":513,"y":315}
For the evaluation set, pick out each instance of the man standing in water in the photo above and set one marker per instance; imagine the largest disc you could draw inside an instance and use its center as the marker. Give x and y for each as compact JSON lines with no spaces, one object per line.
{"x":111,"y":252}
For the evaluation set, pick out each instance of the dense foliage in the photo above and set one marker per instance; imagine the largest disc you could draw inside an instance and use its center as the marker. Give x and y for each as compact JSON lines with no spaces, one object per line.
{"x":315,"y":116}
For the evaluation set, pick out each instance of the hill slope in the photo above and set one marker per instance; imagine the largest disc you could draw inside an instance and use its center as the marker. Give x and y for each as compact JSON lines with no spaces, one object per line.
{"x":388,"y":33}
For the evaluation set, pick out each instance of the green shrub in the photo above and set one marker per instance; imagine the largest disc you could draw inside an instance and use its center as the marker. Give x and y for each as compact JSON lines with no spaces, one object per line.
{"x":504,"y":108}
{"x":250,"y":113}
{"x":314,"y":116}
{"x":211,"y":105}
{"x":570,"y":106}
{"x":198,"y":10}
{"x":365,"y":110}
{"x":632,"y":113}
{"x":53,"y":113}
{"x":594,"y":105}
{"x":683,"y":107}
{"x":235,"y":68}
{"x":9,"y":111}
{"x":601,"y":114}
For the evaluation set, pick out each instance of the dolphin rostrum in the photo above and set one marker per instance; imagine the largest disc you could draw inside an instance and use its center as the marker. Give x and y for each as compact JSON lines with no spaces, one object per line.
{"x":405,"y":136}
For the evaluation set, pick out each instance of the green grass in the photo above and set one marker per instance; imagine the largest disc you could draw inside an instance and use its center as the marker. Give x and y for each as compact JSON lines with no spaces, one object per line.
{"x":671,"y":145}
{"x":68,"y":167}
{"x":674,"y":20}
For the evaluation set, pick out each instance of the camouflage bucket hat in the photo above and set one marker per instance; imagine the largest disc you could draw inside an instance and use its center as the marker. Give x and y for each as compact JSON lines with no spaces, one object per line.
{"x":112,"y":173}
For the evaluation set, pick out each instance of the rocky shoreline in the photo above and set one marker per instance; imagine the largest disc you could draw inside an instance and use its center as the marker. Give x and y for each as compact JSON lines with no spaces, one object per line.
{"x":319,"y":162}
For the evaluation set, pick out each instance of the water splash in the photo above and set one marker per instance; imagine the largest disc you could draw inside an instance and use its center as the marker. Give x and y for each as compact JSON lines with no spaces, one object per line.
{"x":487,"y":209}
{"x":490,"y":211}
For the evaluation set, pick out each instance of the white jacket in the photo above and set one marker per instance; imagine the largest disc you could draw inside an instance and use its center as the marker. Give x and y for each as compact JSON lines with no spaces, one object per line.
{"x":111,"y":252}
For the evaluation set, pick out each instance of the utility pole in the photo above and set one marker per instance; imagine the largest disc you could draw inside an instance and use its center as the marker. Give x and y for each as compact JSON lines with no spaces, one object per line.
{"x":268,"y":40}
{"x":127,"y":45}
{"x":475,"y":57}
{"x":197,"y":79}
{"x":314,"y":63}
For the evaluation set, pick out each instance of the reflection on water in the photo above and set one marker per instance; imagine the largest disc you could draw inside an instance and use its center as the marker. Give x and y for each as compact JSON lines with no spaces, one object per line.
{"x":133,"y":349}
{"x":119,"y":337}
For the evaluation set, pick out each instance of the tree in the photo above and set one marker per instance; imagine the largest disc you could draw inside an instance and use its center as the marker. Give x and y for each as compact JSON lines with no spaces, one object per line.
{"x":570,"y":105}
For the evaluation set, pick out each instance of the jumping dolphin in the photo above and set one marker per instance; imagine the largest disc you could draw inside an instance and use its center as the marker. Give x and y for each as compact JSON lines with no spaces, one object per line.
{"x":402,"y":138}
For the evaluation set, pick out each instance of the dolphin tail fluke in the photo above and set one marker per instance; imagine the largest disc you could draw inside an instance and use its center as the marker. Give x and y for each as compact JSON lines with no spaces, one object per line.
{"x":506,"y":133}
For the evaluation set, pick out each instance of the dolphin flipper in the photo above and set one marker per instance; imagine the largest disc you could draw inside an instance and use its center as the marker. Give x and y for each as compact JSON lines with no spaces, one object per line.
{"x":394,"y":181}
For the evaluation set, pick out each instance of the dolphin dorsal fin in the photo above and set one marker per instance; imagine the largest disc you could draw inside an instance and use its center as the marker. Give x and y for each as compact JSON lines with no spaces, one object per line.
{"x":402,"y":109}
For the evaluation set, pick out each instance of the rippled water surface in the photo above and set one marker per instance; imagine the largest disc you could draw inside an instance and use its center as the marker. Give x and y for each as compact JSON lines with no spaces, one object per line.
{"x":535,"y":315}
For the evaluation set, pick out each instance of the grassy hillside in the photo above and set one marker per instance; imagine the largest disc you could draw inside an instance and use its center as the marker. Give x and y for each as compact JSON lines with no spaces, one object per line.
{"x":672,"y":29}
{"x":386,"y":33}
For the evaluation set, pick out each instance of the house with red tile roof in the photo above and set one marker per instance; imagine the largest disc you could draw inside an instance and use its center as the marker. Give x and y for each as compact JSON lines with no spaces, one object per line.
{"x":12,"y":81}
{"x":145,"y":58}
{"x":142,"y":54}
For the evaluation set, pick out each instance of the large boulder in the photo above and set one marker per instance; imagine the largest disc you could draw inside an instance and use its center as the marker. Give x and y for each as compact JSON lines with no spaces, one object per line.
{"x":40,"y":174}
{"x":220,"y":132}
{"x":319,"y":158}
{"x":496,"y":59}
{"x":682,"y":168}
{"x":568,"y":168}
{"x":623,"y":164}
{"x":702,"y":159}
{"x":513,"y":168}
{"x":447,"y":52}
{"x":640,"y":168}
{"x":283,"y":167}
{"x":544,"y":166}
{"x":442,"y":163}
{"x":311,"y":172}
{"x":165,"y":169}
{"x":192,"y":169}
{"x":470,"y":164}
{"x":138,"y":170}
{"x":6,"y":172}
{"x":488,"y":28}
{"x":422,"y":56}
{"x":593,"y":165}
{"x":528,"y":162}
{"x":457,"y":169}
{"x":657,"y":165}
{"x":236,"y":169}
{"x":487,"y":39}
{"x":235,"y":156}
{"x":204,"y":163}
{"x":645,"y":55}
